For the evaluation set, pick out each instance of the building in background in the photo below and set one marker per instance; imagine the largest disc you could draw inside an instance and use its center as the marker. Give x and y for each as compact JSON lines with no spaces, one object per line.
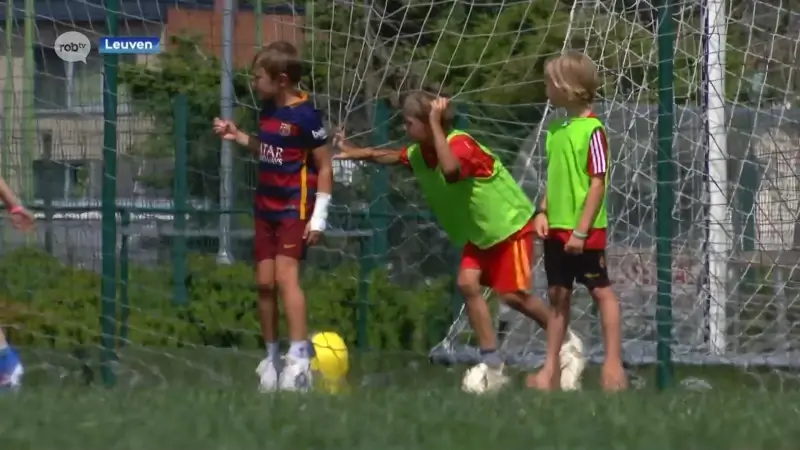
{"x":68,"y":96}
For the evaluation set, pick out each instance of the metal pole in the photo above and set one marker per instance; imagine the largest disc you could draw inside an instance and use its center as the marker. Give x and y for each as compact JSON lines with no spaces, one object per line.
{"x":226,"y":155}
{"x":108,"y":285}
{"x":665,"y":194}
{"x":718,"y":220}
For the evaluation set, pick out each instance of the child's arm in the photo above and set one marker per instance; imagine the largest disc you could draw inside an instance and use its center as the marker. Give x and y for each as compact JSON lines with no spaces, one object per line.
{"x":543,"y":201}
{"x":375,"y":155}
{"x":227,"y":130}
{"x":597,"y":165}
{"x":249,"y":142}
{"x":448,"y":162}
{"x":7,"y":195}
{"x":597,"y":190}
{"x":21,"y":218}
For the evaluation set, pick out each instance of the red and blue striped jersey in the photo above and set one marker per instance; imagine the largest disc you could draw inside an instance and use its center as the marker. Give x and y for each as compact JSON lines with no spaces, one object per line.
{"x":287,"y":175}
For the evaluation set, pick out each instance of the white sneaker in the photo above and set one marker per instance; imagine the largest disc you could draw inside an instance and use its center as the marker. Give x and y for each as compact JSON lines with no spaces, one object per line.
{"x":296,"y":375}
{"x":572,"y":362}
{"x":267,"y":372}
{"x":482,"y":379}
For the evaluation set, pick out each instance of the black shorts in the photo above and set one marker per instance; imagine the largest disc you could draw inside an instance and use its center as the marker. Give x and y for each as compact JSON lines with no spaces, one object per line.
{"x":564,"y":269}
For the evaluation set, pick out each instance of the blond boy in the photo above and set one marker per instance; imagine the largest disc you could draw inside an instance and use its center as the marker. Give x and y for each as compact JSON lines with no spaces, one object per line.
{"x":291,"y":205}
{"x":572,"y":218}
{"x":481,"y":208}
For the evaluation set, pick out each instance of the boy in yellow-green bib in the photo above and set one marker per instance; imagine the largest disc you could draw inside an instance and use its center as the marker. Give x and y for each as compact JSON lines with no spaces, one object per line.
{"x":480,"y":207}
{"x":572,"y":218}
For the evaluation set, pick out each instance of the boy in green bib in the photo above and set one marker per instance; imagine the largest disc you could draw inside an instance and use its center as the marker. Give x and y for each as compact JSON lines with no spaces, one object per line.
{"x":572,"y":218}
{"x":482,"y":209}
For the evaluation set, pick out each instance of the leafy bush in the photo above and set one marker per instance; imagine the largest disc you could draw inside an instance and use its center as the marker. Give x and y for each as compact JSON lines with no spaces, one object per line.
{"x":48,"y":304}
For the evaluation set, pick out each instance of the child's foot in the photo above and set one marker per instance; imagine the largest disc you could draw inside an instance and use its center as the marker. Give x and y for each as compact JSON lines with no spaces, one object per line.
{"x":613,"y":378}
{"x":483,"y":378}
{"x":544,"y":380}
{"x":572,"y":362}
{"x":11,"y":370}
{"x":267,"y":372}
{"x":296,"y":374}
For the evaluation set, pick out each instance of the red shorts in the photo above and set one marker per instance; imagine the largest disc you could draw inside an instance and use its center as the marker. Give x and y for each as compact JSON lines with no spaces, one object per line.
{"x":506,"y":266}
{"x":283,"y":238}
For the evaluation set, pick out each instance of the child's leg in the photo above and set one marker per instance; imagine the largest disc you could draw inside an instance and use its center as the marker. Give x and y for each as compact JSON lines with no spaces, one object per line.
{"x":287,"y":279}
{"x":613,"y":376}
{"x":266,"y":247}
{"x":290,"y":251}
{"x":594,"y":275}
{"x":10,"y":367}
{"x":268,"y":306}
{"x":264,"y":255}
{"x":469,"y":284}
{"x":560,"y":279}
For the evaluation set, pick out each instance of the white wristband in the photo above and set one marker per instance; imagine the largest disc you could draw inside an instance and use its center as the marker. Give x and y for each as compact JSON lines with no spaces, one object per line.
{"x":319,"y":218}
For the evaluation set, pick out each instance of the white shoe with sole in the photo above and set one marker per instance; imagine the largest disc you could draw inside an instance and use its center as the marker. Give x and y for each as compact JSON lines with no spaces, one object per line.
{"x":267,"y":371}
{"x":481,"y":379}
{"x":573,"y":362}
{"x":296,"y":375}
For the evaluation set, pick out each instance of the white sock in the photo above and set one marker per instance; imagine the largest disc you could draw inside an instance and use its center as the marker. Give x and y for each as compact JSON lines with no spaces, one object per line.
{"x":273,"y":351}
{"x":299,"y":350}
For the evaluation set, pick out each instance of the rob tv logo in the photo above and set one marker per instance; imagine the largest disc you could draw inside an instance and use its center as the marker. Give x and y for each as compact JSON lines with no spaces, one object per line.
{"x":76,"y":47}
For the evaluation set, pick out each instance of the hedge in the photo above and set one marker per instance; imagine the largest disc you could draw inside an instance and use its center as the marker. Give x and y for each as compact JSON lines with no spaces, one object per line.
{"x":44,"y":303}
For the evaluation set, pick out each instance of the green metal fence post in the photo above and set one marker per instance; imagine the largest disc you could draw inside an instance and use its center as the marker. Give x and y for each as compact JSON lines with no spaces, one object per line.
{"x":377,"y":244}
{"x":179,"y":271}
{"x":30,"y":124}
{"x":108,"y":287}
{"x":665,"y":195}
{"x":124,"y":276}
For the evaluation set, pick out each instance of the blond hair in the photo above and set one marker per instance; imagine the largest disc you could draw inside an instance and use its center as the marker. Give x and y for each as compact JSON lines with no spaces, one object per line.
{"x":575,"y":74}
{"x":280,"y":57}
{"x":418,"y":106}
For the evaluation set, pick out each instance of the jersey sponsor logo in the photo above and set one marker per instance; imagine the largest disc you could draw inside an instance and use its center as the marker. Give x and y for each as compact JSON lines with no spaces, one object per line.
{"x":285,"y":129}
{"x":271,"y":154}
{"x":319,"y":134}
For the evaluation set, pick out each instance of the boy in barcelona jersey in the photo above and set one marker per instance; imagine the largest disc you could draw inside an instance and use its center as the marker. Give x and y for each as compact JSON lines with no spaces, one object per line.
{"x":291,"y":205}
{"x":572,"y":217}
{"x":480,"y":207}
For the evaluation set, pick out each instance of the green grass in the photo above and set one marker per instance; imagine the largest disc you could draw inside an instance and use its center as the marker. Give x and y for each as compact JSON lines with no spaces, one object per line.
{"x":206,"y":399}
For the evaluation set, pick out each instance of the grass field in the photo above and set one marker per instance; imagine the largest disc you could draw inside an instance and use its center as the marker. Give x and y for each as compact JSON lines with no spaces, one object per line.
{"x":207,"y":400}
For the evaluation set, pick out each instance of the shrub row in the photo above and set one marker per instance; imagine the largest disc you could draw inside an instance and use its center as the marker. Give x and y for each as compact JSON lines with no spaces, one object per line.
{"x":46,"y":303}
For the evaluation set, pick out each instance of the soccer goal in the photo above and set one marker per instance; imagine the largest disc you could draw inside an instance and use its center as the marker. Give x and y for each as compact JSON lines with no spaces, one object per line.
{"x":71,"y":135}
{"x":734,"y":200}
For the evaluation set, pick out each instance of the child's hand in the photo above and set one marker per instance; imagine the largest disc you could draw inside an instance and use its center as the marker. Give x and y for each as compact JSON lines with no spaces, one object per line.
{"x":225,"y":129}
{"x":339,"y":139}
{"x":345,"y":148}
{"x":21,"y":218}
{"x":574,"y":246}
{"x":541,"y":226}
{"x":438,"y":107}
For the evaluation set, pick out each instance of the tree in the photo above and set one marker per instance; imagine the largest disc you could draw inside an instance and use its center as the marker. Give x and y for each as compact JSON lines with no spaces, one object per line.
{"x":185,"y":68}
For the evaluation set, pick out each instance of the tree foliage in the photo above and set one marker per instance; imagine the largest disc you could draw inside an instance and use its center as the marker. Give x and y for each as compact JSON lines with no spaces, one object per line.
{"x":186,"y":69}
{"x":488,"y":55}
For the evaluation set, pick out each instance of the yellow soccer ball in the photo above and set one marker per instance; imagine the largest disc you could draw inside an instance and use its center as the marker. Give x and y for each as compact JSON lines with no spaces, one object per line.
{"x":330,"y":362}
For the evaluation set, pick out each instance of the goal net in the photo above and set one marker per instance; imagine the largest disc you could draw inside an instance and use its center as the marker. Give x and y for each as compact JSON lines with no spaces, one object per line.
{"x":383,"y":278}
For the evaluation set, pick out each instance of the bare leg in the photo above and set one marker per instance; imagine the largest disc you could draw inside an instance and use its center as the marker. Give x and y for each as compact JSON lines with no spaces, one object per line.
{"x":267,"y":303}
{"x":3,"y":341}
{"x":477,"y":309}
{"x":548,"y":378}
{"x":529,"y":305}
{"x":287,"y":277}
{"x":613,"y":375}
